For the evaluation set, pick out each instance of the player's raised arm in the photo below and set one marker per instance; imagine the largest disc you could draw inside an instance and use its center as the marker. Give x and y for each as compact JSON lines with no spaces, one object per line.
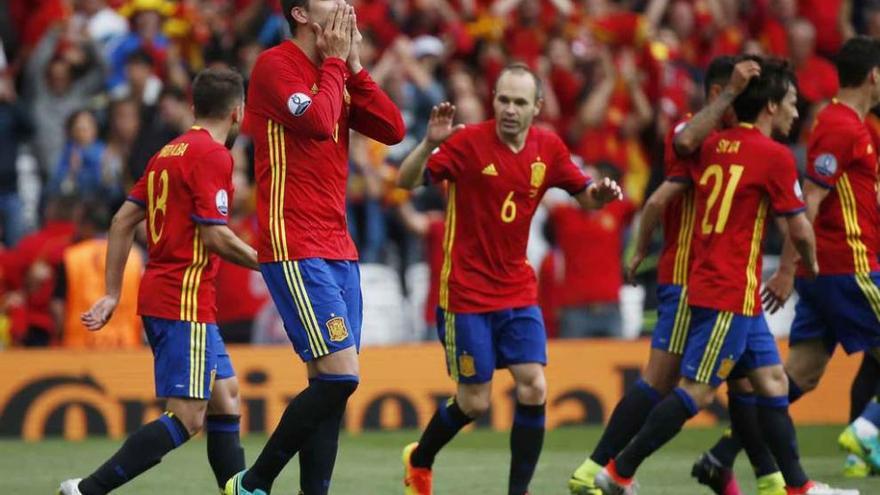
{"x":650,"y":217}
{"x":372,"y":113}
{"x":687,"y":141}
{"x":119,"y":243}
{"x":291,"y":101}
{"x":440,"y":128}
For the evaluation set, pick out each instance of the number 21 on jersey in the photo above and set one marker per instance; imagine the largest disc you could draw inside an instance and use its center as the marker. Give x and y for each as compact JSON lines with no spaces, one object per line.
{"x":157,"y":202}
{"x":715,"y":174}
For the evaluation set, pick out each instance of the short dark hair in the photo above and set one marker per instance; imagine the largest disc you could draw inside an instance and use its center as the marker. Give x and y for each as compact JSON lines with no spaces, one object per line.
{"x":139,"y":56}
{"x":216,"y":92}
{"x":856,"y":59}
{"x":286,"y":7}
{"x":521,"y":68}
{"x":771,"y":86}
{"x":718,"y":72}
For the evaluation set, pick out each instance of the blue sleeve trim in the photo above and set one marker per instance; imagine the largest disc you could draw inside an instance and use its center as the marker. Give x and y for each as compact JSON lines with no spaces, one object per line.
{"x":790,"y":213}
{"x":819,"y":183}
{"x":680,"y":179}
{"x":208,"y":221}
{"x":582,"y":189}
{"x":136,"y":201}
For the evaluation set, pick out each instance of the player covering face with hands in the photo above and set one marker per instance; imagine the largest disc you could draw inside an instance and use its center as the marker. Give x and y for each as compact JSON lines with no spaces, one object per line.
{"x":303,"y":98}
{"x":496,"y":174}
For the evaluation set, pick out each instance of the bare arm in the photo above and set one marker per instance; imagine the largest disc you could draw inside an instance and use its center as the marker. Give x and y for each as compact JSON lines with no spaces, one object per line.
{"x":650,"y":219}
{"x":654,"y":12}
{"x":688,"y":140}
{"x":221,"y":240}
{"x":120,"y":239}
{"x":440,"y":128}
{"x":800,"y":231}
{"x":415,"y":221}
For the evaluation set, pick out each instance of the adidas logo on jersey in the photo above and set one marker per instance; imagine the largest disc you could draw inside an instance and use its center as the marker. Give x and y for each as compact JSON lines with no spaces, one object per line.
{"x":490,"y":170}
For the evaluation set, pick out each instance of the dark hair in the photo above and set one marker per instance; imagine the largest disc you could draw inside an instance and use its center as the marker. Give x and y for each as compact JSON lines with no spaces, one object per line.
{"x":771,"y":86}
{"x":718,"y":72}
{"x":71,"y":119}
{"x":286,"y":7}
{"x":216,"y":92}
{"x":175,"y":92}
{"x":95,"y":214}
{"x":856,"y":59}
{"x":139,"y":56}
{"x":521,"y":68}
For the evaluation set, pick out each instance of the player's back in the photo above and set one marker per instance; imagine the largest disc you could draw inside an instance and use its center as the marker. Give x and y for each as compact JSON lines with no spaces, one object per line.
{"x":742,"y":174}
{"x":842,"y":157}
{"x":178,"y":282}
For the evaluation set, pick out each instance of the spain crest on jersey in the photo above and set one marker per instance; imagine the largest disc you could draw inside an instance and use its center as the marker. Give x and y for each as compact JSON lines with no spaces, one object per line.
{"x":539,"y":172}
{"x":336,"y":328}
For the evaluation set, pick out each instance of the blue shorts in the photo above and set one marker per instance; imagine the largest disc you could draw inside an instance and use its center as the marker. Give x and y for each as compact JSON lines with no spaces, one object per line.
{"x":188,"y":357}
{"x":478,"y":343}
{"x":722,"y":344}
{"x":838,"y":309}
{"x":673,"y":319}
{"x":320,"y":303}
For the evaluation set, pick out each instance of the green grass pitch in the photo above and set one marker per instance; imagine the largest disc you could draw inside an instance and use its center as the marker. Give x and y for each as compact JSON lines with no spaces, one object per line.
{"x":369,"y":464}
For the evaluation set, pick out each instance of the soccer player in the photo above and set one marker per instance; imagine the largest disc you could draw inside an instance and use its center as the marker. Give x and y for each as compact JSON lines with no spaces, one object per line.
{"x":304,"y":96}
{"x":488,"y":317}
{"x":184,"y":196}
{"x":742,"y":173}
{"x":842,"y":305}
{"x":725,"y":80}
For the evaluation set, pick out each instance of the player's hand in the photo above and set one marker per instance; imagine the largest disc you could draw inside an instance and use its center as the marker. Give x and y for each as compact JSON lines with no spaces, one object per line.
{"x":354,"y":56}
{"x":777,"y":290}
{"x":100,"y":313}
{"x":743,"y":72}
{"x":334,"y":39}
{"x":605,"y":191}
{"x":440,"y":126}
{"x":633,"y":266}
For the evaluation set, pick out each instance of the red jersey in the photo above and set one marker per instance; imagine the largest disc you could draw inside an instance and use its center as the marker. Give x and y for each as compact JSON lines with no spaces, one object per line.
{"x":241,"y":292}
{"x":497,"y":192}
{"x":583,"y":238}
{"x":842,"y":157}
{"x":299,"y":116}
{"x":188,"y":182}
{"x":678,"y":217}
{"x":741,"y":175}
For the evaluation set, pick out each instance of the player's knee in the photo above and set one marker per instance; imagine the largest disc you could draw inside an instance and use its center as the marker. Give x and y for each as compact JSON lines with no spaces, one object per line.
{"x":474,"y":405}
{"x":193,"y":420}
{"x":532,"y":391}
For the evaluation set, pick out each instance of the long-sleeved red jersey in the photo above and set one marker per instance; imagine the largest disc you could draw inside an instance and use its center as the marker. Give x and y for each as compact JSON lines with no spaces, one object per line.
{"x":299,"y":116}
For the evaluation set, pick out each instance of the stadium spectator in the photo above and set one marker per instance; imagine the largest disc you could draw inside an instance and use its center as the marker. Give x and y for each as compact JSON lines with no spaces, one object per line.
{"x":32,"y":270}
{"x":80,"y":282}
{"x":147,"y":18}
{"x":139,"y":82}
{"x":103,"y":24}
{"x":241,"y":293}
{"x":171,"y":117}
{"x":15,"y":129}
{"x":123,"y":126}
{"x":82,"y":170}
{"x":587,"y":295}
{"x":61,"y":77}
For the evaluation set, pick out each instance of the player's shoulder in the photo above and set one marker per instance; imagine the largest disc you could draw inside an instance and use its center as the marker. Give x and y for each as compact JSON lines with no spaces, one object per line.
{"x":548,"y":139}
{"x":280,"y":54}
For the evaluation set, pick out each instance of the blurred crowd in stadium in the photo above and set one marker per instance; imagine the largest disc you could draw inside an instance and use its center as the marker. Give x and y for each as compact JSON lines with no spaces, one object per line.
{"x":90,"y":89}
